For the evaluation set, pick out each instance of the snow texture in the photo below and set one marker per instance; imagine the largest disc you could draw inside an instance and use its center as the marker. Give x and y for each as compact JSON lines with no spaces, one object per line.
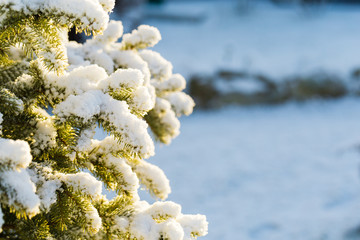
{"x":121,"y":223}
{"x":90,"y":13}
{"x":152,"y":177}
{"x":194,"y":225}
{"x":107,"y":5}
{"x":45,"y":133}
{"x":78,"y":81}
{"x":131,"y":182}
{"x":105,"y":146}
{"x":95,"y":220}
{"x":93,"y":77}
{"x":144,"y":227}
{"x":86,"y":106}
{"x":132,"y":60}
{"x":46,"y":186}
{"x":167,"y":118}
{"x":47,"y":193}
{"x":164,"y":210}
{"x":112,"y":33}
{"x":83,"y":182}
{"x":181,"y":103}
{"x":20,"y":191}
{"x":175,"y":83}
{"x":127,"y":78}
{"x":159,"y":67}
{"x":275,"y":173}
{"x":84,"y":141}
{"x":143,"y":99}
{"x":161,"y":219}
{"x":142,"y":37}
{"x":15,"y":154}
{"x":171,"y":229}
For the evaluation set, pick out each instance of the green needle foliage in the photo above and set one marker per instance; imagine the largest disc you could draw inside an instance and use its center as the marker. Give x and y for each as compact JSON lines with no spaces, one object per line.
{"x":54,"y":96}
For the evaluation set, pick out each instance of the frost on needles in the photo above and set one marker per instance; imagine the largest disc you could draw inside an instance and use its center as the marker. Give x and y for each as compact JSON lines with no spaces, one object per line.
{"x":53,"y":94}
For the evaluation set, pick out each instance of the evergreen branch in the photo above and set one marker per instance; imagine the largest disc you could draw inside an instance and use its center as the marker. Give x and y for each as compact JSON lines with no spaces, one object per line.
{"x":160,"y":129}
{"x":16,"y":208}
{"x":127,"y":95}
{"x":112,"y":179}
{"x":121,"y":205}
{"x":9,"y":103}
{"x":38,"y":37}
{"x":61,"y":219}
{"x":36,"y":228}
{"x":18,"y":127}
{"x":11,"y":71}
{"x":66,"y":206}
{"x":127,"y":150}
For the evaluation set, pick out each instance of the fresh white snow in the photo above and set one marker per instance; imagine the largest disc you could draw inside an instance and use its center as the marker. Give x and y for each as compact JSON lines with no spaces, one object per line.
{"x":288,"y":172}
{"x":275,"y":173}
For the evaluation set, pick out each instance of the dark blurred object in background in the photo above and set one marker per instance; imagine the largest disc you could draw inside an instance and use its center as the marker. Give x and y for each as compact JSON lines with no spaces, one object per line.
{"x":123,"y":5}
{"x":156,"y":1}
{"x":241,"y":88}
{"x":130,"y":12}
{"x":78,"y":37}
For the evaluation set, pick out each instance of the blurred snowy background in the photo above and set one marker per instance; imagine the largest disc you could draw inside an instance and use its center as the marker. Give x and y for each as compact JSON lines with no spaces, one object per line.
{"x":272,"y":150}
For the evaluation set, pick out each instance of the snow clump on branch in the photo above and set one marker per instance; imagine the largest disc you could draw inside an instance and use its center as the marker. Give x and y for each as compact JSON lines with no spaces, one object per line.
{"x":54,"y":95}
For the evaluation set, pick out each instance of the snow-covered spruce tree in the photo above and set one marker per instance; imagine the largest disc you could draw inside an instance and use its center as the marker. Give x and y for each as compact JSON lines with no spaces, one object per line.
{"x":53,"y":94}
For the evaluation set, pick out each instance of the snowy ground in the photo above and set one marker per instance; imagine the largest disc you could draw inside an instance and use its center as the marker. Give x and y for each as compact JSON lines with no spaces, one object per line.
{"x":277,"y":42}
{"x":289,"y":172}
